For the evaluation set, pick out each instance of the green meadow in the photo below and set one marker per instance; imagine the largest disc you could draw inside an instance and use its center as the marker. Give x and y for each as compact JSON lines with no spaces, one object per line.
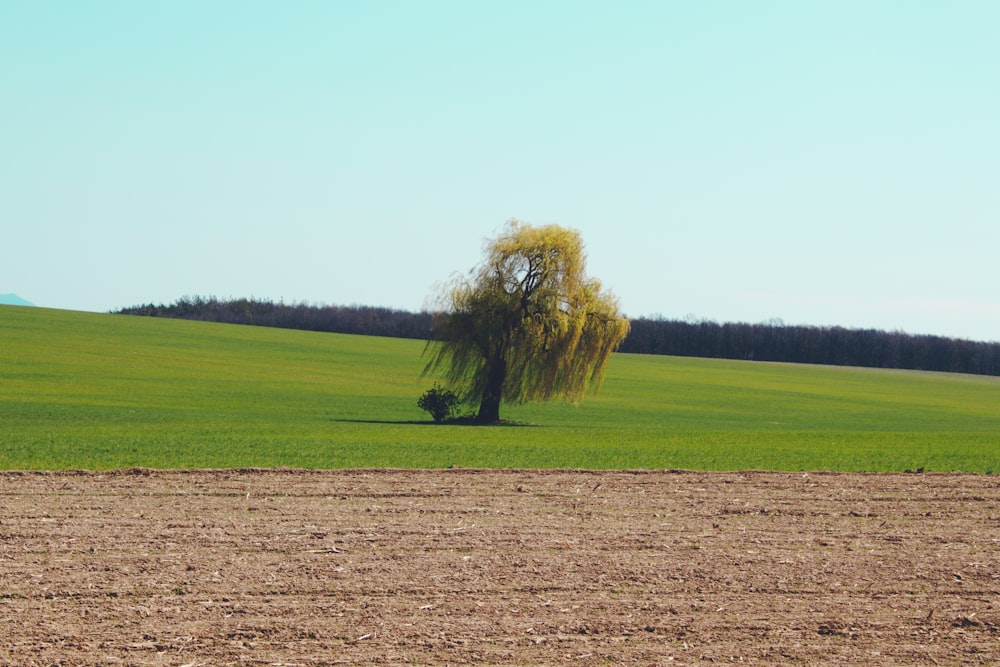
{"x":95,"y":391}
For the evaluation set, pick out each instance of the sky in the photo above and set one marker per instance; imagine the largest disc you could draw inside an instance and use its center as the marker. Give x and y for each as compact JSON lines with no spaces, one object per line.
{"x":832,"y":163}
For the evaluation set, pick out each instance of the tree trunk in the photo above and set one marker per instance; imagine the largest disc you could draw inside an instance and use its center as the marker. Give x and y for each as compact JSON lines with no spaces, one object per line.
{"x":489,"y":406}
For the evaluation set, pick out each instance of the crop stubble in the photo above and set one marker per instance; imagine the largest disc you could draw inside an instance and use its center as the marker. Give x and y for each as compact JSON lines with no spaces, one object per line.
{"x":497,"y":567}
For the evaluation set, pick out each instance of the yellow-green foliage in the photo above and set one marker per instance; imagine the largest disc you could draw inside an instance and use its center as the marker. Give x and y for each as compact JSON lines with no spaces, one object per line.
{"x":529,"y":324}
{"x":84,"y":390}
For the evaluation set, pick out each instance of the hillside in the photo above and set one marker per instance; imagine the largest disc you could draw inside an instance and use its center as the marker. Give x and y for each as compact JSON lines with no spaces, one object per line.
{"x":836,"y":346}
{"x":98,"y":391}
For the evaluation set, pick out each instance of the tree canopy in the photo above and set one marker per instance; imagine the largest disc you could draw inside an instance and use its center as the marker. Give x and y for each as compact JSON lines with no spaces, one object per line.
{"x":527,"y":324}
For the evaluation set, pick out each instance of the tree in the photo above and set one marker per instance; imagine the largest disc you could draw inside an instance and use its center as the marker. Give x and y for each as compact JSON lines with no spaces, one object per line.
{"x":439,"y":402}
{"x":527,"y":324}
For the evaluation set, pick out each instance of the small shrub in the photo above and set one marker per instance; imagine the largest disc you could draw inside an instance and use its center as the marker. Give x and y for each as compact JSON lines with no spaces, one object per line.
{"x":441,"y":403}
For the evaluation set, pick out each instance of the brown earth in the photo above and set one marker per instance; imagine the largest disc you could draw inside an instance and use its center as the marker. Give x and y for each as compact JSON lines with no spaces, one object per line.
{"x":498,"y":567}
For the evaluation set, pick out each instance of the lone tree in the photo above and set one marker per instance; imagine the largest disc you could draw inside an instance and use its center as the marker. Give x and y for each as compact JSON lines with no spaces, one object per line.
{"x":527,"y":324}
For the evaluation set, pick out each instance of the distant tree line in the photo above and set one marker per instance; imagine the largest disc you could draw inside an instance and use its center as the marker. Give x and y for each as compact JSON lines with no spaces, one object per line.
{"x":365,"y":320}
{"x":768,"y":341}
{"x":837,"y":346}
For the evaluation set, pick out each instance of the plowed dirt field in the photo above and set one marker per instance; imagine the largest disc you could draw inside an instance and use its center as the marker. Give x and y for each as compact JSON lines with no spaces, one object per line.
{"x":498,"y":567}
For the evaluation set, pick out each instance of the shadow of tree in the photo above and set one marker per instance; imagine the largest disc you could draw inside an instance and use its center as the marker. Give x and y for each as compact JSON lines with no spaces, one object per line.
{"x":459,"y":421}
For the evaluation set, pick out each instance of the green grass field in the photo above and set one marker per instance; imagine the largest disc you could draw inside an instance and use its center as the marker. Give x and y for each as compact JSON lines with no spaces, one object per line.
{"x":94,"y":391}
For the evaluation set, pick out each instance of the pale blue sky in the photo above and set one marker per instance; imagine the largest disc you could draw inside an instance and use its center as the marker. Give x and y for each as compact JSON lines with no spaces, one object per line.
{"x":830,"y":163}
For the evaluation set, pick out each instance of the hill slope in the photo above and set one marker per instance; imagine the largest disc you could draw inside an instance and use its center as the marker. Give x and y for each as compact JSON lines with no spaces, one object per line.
{"x":85,"y":390}
{"x":734,"y":340}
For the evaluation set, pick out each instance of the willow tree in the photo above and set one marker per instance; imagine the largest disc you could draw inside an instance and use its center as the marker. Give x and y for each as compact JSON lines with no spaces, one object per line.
{"x":527,"y":323}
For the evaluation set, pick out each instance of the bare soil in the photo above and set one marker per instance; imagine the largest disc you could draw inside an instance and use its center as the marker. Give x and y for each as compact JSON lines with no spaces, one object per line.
{"x":498,"y":567}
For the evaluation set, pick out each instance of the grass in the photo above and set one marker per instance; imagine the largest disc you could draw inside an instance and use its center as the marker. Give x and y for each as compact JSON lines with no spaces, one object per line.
{"x":93,"y":391}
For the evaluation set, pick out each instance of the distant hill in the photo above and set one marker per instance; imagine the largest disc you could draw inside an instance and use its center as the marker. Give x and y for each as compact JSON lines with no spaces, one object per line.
{"x":13,"y":300}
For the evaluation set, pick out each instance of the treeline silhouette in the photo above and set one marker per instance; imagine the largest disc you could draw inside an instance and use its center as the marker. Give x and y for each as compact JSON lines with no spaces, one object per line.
{"x":769,"y":341}
{"x":835,"y":346}
{"x":365,"y":320}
